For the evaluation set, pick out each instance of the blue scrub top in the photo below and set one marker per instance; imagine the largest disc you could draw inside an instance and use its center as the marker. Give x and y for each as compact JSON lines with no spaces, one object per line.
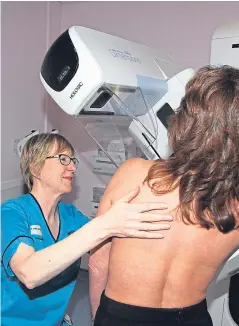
{"x":22,"y":220}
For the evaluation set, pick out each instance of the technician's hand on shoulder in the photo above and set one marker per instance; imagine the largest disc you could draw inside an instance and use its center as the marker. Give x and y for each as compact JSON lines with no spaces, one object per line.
{"x":136,"y":220}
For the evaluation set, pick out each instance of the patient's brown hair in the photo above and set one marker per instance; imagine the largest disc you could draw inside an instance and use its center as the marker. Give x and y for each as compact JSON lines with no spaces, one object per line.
{"x":204,"y":136}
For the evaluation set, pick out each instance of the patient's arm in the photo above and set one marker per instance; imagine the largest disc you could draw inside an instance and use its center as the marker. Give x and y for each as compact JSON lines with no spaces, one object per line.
{"x":98,"y":264}
{"x":118,"y":186}
{"x":99,"y":258}
{"x":98,"y":274}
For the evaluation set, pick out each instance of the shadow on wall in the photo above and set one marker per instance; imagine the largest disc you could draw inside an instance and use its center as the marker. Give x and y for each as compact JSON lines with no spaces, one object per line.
{"x":79,"y":306}
{"x":13,"y":192}
{"x":73,"y":195}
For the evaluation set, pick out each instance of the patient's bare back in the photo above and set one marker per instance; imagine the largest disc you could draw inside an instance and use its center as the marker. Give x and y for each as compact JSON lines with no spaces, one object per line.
{"x":171,"y":272}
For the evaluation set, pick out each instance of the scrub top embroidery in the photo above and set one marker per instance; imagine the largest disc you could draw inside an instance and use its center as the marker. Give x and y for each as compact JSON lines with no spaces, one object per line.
{"x":22,"y":221}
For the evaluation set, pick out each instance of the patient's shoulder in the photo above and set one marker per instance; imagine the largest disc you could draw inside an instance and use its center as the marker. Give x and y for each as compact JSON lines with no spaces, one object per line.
{"x":136,"y":161}
{"x":129,"y":175}
{"x":134,"y":167}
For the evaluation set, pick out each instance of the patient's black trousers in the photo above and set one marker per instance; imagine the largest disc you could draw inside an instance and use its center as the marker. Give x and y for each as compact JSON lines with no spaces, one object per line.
{"x":113,"y":313}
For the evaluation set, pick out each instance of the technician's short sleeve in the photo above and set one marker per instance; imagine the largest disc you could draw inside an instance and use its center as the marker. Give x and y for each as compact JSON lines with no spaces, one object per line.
{"x":15,"y":229}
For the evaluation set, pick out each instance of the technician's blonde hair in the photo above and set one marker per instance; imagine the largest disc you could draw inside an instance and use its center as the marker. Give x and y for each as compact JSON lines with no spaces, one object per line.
{"x":37,"y":149}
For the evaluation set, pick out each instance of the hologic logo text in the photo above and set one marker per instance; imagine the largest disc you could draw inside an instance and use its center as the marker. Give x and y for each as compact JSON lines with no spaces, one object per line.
{"x":76,"y":90}
{"x":125,"y":55}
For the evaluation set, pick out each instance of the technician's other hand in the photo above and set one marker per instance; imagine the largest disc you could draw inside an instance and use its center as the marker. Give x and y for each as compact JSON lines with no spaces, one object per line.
{"x":136,"y":220}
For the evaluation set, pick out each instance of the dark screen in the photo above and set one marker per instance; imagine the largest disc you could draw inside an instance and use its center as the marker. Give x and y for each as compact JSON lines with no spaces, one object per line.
{"x":164,"y":113}
{"x":60,"y":63}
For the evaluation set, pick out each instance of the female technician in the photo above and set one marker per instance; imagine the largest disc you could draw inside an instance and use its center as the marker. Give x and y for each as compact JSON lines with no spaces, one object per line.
{"x":43,"y":238}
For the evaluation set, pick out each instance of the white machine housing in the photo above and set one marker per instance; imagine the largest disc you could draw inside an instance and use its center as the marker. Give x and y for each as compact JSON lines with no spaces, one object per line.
{"x":84,"y":68}
{"x":97,"y":59}
{"x":225,"y":45}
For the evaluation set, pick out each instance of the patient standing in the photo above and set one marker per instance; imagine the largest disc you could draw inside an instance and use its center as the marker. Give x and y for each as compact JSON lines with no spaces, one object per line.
{"x":151,"y":282}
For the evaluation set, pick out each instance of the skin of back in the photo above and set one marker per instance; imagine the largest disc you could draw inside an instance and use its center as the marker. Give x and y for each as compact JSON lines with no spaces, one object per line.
{"x":172,"y":272}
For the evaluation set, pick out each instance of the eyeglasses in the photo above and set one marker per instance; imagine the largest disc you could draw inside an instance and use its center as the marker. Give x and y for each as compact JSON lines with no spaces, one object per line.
{"x":65,"y":159}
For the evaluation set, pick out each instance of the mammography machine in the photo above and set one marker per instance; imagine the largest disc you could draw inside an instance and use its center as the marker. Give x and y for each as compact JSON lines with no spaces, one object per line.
{"x":99,"y":77}
{"x":110,"y":83}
